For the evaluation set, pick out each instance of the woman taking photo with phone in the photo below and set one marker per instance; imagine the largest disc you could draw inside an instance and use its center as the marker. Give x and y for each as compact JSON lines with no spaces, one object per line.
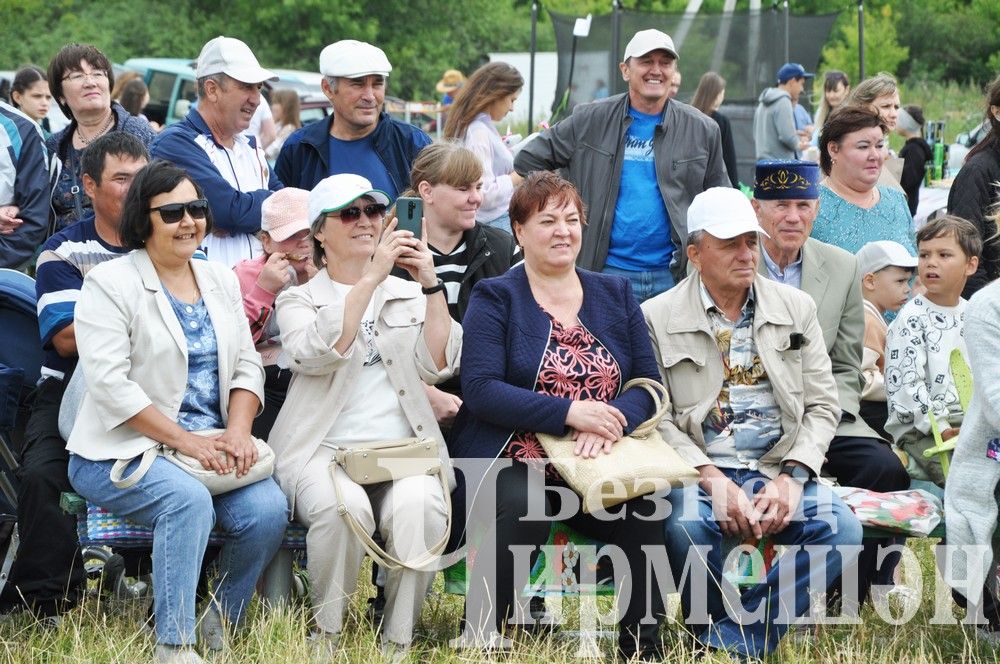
{"x":487,"y":97}
{"x":362,"y":344}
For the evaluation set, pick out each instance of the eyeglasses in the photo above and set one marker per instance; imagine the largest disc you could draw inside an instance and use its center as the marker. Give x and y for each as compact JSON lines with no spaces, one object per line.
{"x":353,"y":213}
{"x":171,"y":213}
{"x":96,"y":76}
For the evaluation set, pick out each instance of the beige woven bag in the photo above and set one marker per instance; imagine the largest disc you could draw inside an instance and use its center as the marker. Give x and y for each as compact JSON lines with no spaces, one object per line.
{"x":638,"y":464}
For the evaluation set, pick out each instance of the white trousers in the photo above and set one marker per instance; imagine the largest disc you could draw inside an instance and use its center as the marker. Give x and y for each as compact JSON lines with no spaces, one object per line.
{"x":412,"y":516}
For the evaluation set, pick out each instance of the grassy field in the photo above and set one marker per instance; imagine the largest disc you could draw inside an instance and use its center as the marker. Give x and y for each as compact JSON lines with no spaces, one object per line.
{"x":102,"y":631}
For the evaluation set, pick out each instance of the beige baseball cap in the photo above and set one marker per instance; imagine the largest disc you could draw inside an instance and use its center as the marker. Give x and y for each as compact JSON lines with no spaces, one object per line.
{"x":230,"y":56}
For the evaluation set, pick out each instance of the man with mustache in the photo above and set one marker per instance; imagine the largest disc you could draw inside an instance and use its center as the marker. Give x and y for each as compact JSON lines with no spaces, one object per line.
{"x":638,"y":159}
{"x":209,"y":144}
{"x":360,"y":137}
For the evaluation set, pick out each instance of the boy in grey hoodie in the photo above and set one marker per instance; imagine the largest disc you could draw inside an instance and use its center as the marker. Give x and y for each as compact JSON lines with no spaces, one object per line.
{"x":774,"y":120}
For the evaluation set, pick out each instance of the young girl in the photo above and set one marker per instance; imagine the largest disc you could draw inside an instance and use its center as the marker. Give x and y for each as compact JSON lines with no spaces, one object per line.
{"x":488,"y":97}
{"x":30,"y":94}
{"x":286,"y":261}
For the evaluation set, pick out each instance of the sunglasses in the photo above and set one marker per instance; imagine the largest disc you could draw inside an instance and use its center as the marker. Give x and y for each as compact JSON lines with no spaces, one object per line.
{"x":353,"y":213}
{"x":171,"y":213}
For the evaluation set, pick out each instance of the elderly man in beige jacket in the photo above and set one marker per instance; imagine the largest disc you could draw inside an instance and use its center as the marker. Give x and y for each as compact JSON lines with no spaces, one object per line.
{"x":754,"y":406}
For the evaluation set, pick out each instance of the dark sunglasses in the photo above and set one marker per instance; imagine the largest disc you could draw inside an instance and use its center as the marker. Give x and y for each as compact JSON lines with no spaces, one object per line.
{"x":171,"y":213}
{"x":353,"y":213}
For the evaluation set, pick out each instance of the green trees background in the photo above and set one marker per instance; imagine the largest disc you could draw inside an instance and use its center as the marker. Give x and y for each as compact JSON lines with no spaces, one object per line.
{"x":956,"y":40}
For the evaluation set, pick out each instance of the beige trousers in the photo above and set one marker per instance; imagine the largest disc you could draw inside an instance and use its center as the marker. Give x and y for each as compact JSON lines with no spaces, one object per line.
{"x":412,"y":516}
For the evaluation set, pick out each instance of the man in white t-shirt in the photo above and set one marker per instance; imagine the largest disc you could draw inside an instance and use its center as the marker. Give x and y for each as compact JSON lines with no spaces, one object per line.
{"x":209,"y":144}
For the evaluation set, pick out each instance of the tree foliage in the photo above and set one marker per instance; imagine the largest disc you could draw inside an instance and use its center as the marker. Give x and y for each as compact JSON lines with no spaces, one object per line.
{"x":421,"y":37}
{"x":952,"y":39}
{"x":882,"y":49}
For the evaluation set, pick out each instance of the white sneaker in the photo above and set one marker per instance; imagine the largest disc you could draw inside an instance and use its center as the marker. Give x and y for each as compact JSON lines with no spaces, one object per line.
{"x":212,"y":630}
{"x":395,"y":653}
{"x":167,"y":654}
{"x":322,"y":644}
{"x":989,"y":636}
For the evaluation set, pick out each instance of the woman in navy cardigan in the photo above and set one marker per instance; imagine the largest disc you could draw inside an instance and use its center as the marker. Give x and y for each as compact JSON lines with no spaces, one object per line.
{"x":547,"y":348}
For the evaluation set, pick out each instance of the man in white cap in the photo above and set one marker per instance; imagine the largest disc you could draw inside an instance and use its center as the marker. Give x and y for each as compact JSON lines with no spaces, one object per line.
{"x":638,"y":159}
{"x":209,"y":144}
{"x":360,"y":137}
{"x":753,"y":408}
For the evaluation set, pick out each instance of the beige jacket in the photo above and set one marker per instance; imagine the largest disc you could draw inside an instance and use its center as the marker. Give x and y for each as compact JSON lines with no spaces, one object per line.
{"x":133,"y":352}
{"x":691,"y":367}
{"x":310,"y":318}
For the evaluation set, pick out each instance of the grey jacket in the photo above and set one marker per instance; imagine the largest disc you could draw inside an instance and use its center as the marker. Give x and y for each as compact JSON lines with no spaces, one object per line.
{"x":589,"y":145}
{"x":832,"y":278}
{"x":692,"y":370}
{"x":774,"y":126}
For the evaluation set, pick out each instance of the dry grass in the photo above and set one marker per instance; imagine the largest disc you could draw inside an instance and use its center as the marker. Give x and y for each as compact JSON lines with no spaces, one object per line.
{"x":109,"y":631}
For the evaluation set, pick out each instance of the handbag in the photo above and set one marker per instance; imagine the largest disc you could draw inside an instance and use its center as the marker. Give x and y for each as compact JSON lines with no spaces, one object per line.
{"x":385,"y":461}
{"x":638,"y":464}
{"x":215,"y":483}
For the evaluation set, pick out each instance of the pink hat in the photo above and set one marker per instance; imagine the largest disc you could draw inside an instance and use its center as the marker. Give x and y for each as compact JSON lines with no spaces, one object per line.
{"x":284,"y":213}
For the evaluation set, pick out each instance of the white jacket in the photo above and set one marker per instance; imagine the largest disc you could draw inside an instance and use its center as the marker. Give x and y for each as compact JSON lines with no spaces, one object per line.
{"x":134,"y":354}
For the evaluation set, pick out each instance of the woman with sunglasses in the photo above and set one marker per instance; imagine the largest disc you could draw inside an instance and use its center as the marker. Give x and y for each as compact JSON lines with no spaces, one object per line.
{"x":81,"y":79}
{"x":362,"y":344}
{"x":166,"y":351}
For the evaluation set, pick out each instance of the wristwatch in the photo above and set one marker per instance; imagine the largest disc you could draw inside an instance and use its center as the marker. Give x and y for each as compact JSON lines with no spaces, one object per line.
{"x":800,"y":474}
{"x":439,"y":286}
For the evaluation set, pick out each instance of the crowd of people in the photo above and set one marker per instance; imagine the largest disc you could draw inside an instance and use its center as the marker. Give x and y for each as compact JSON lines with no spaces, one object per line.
{"x":194,"y":302}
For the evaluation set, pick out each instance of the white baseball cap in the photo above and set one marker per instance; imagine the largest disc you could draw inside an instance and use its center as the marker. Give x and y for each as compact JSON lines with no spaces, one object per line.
{"x":723,"y":212}
{"x":351,"y":58}
{"x":338,"y":191}
{"x":876,"y":256}
{"x":229,"y":56}
{"x":284,"y":213}
{"x":645,"y":41}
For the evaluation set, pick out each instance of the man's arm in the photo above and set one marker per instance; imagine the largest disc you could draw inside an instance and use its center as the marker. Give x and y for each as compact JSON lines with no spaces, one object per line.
{"x":821,"y":411}
{"x":848,"y":349}
{"x":233,"y":211}
{"x":715,"y":171}
{"x":784,"y":121}
{"x":551,"y":149}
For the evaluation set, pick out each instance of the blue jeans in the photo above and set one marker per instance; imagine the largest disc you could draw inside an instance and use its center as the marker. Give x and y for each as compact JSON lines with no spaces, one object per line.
{"x":502,"y":222}
{"x":644,"y":284}
{"x":182,"y":513}
{"x":821,"y":519}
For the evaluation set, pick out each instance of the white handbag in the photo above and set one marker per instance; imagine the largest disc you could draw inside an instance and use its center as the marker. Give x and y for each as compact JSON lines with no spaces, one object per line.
{"x":215,"y":483}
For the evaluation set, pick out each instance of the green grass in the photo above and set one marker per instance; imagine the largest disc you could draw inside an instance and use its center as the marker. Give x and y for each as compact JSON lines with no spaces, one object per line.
{"x":102,"y":631}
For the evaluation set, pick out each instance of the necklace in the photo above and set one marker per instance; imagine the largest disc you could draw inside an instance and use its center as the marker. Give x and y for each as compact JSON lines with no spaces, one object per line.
{"x":107,"y":126}
{"x":852,"y":196}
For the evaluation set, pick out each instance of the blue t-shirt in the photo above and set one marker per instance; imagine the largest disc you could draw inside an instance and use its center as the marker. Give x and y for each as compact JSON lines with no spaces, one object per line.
{"x":65,"y":260}
{"x":640,"y":235}
{"x":358,"y":157}
{"x":200,"y":407}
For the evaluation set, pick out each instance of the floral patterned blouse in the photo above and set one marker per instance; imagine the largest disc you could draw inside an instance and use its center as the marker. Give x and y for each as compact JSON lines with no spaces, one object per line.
{"x":575,"y":366}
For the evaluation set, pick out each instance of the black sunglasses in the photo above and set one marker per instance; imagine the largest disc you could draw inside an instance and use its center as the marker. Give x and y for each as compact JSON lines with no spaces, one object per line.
{"x":171,"y":213}
{"x":353,"y":213}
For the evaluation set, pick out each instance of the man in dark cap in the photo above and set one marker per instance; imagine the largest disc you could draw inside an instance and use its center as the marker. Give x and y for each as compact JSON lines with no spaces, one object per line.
{"x":786,"y":199}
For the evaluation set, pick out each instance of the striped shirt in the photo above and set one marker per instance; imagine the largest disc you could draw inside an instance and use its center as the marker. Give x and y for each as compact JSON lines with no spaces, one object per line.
{"x":450,"y":268}
{"x":65,"y":260}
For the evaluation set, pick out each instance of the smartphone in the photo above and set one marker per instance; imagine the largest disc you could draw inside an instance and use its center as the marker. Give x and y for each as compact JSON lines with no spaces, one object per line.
{"x":410,"y":214}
